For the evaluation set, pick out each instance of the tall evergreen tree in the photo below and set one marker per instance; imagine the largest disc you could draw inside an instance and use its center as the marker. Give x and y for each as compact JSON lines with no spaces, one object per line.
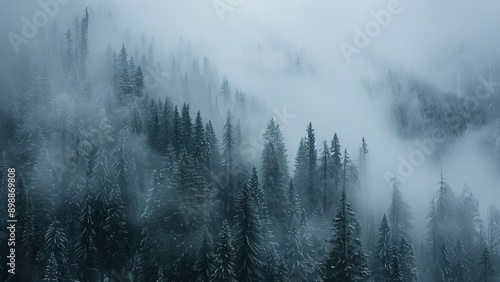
{"x":249,"y":238}
{"x":399,"y":213}
{"x":383,"y":260}
{"x":346,"y":260}
{"x":225,"y":256}
{"x":396,"y":273}
{"x":486,"y":269}
{"x":445,"y":265}
{"x":228,"y":156}
{"x":312,"y":195}
{"x":336,"y":153}
{"x":461,"y":266}
{"x":407,"y":261}
{"x":204,"y":265}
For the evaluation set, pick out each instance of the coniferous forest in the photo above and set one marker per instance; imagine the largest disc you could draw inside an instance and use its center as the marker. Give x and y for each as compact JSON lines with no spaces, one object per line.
{"x":133,"y":165}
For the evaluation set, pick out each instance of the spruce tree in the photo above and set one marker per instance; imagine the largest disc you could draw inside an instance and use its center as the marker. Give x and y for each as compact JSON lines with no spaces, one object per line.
{"x":249,"y":238}
{"x":336,"y":154}
{"x":383,"y":260}
{"x":225,"y":256}
{"x":204,"y":265}
{"x":407,"y":261}
{"x":346,"y":260}
{"x":312,"y":195}
{"x":486,"y":269}
{"x":399,"y":213}
{"x":56,"y":245}
{"x":461,"y":266}
{"x":396,"y":273}
{"x":445,"y":265}
{"x":325,"y":176}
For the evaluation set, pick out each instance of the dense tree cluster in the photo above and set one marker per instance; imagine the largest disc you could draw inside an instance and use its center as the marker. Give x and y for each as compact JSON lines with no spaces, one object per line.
{"x":118,"y":182}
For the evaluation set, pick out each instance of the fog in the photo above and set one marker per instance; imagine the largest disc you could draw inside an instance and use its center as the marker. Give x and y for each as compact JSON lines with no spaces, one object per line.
{"x":435,"y":41}
{"x":290,"y":55}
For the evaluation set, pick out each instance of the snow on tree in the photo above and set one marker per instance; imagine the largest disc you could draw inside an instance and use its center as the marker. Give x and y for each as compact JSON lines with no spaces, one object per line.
{"x":383,"y":256}
{"x":396,"y":273}
{"x":204,"y":264}
{"x":461,"y":266}
{"x":225,"y":256}
{"x":346,"y":260}
{"x":445,"y":264}
{"x":399,"y":213}
{"x":407,"y":261}
{"x":248,"y":238}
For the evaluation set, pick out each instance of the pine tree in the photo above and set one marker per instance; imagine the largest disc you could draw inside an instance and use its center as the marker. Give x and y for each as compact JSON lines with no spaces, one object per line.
{"x":52,"y":273}
{"x":84,"y":44}
{"x":204,"y":265}
{"x":399,"y":213}
{"x":396,"y":273}
{"x":86,"y":250}
{"x":153,"y":125}
{"x":135,"y":125}
{"x":294,"y":254}
{"x":336,"y":153}
{"x":225,"y":92}
{"x":56,"y":245}
{"x":493,"y":232}
{"x":124,"y":80}
{"x":201,"y":149}
{"x":445,"y":266}
{"x":300,"y":177}
{"x":186,"y":129}
{"x":407,"y":261}
{"x":225,"y":256}
{"x":487,"y":271}
{"x":228,"y":156}
{"x":249,"y":238}
{"x":325,"y":174}
{"x":346,"y":260}
{"x":214,"y":148}
{"x":461,"y":266}
{"x":116,"y":237}
{"x":273,"y":186}
{"x":382,"y":265}
{"x":312,"y":195}
{"x":139,"y":83}
{"x":363,"y":155}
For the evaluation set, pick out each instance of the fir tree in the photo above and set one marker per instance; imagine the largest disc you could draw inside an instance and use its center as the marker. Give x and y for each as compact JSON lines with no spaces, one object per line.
{"x":346,"y":260}
{"x":407,"y":261}
{"x":228,"y":156}
{"x":312,"y":195}
{"x":336,"y":153}
{"x":399,"y":213}
{"x":326,"y":182}
{"x":225,"y":256}
{"x":204,"y":265}
{"x":382,"y":265}
{"x":486,"y":269}
{"x":461,"y":266}
{"x":56,"y":245}
{"x":249,"y":238}
{"x":52,"y":273}
{"x":396,"y":273}
{"x":445,"y":266}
